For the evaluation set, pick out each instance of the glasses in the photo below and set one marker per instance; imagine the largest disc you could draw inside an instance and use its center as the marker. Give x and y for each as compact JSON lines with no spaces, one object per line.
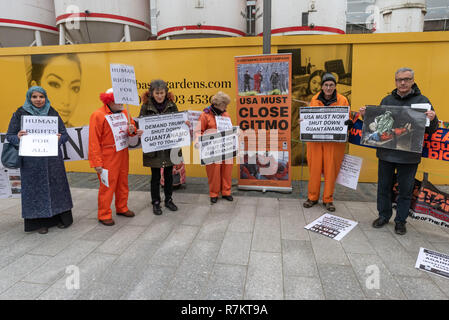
{"x":404,"y":79}
{"x":329,"y":85}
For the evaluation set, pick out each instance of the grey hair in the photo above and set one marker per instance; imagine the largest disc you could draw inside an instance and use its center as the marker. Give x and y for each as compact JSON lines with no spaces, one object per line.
{"x":158,"y":84}
{"x":406,"y":70}
{"x":220,"y":97}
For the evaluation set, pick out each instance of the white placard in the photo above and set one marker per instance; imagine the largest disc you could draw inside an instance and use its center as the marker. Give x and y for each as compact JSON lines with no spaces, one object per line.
{"x":223,"y":123}
{"x":34,"y":145}
{"x":217,"y":147}
{"x":104,"y":177}
{"x":324,"y":123}
{"x":165,"y":131}
{"x":331,"y":226}
{"x":119,"y":127}
{"x":123,"y":80}
{"x":422,"y":106}
{"x":433,"y":262}
{"x":349,"y":171}
{"x":193,"y":117}
{"x":42,"y":125}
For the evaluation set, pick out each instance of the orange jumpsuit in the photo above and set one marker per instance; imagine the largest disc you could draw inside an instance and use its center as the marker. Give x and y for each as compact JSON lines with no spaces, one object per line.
{"x":219,"y":175}
{"x":324,"y":157}
{"x":102,"y":153}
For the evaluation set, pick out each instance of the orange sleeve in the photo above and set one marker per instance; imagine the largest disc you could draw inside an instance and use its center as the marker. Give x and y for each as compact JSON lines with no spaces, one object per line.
{"x":95,"y":139}
{"x":201,"y":126}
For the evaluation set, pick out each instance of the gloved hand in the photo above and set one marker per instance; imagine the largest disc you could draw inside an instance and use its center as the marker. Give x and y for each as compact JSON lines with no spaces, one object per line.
{"x":349,"y":123}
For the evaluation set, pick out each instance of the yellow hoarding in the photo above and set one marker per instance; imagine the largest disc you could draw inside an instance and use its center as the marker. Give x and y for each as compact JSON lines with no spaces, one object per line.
{"x":75,"y":75}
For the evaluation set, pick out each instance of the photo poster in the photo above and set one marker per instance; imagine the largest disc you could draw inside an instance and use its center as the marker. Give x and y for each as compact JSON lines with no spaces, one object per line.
{"x":331,"y":226}
{"x":218,"y":147}
{"x":165,"y":131}
{"x":349,"y":173}
{"x":264,"y":118}
{"x":394,"y":127}
{"x":123,"y":78}
{"x":325,"y":124}
{"x":433,"y":262}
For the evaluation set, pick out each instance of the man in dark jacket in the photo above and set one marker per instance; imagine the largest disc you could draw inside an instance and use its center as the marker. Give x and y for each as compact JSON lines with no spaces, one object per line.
{"x":405,"y":163}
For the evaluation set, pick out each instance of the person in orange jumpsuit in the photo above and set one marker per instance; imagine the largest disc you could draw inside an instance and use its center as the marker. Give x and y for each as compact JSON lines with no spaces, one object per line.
{"x":219,"y":175}
{"x":325,"y":157}
{"x":103,"y":155}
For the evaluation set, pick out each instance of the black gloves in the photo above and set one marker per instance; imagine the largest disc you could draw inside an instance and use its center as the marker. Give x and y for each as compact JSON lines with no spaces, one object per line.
{"x":349,"y":123}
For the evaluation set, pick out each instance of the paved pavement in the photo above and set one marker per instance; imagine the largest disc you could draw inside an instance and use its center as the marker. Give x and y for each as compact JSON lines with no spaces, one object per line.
{"x":253,"y":248}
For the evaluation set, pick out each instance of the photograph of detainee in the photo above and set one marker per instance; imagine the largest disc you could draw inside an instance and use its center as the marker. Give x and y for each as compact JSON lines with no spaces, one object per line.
{"x":392,"y":127}
{"x":263,"y":79}
{"x":309,"y":64}
{"x":60,"y":76}
{"x":271,"y":165}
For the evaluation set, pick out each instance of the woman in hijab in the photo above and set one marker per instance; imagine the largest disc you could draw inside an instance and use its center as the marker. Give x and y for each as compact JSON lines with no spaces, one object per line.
{"x":46,"y":198}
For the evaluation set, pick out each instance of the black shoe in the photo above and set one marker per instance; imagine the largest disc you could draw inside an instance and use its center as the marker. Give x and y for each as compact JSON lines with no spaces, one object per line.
{"x":157,"y":209}
{"x":399,"y":228}
{"x":379,"y":222}
{"x":229,"y":198}
{"x":43,"y":230}
{"x":171,"y":205}
{"x":214,"y":200}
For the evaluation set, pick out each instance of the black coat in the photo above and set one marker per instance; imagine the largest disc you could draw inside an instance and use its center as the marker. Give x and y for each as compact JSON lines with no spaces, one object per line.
{"x":394,"y":99}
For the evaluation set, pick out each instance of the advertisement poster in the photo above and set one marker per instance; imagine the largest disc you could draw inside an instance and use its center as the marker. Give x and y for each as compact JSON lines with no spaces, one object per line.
{"x":264,"y":118}
{"x":324,"y":124}
{"x":217,"y":147}
{"x":309,"y":64}
{"x":433,"y":262}
{"x":393,"y":127}
{"x":349,"y":171}
{"x":331,"y":226}
{"x":166,"y":131}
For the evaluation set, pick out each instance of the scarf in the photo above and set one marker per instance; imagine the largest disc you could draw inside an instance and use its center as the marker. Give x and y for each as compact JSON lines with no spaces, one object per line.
{"x":29,"y":107}
{"x":159,"y":106}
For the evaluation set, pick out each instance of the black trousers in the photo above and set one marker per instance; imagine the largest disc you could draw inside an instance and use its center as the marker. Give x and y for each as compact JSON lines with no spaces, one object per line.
{"x":156,"y":182}
{"x":406,"y":181}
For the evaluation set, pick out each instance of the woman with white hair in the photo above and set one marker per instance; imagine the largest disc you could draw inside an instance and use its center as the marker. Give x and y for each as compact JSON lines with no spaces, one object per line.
{"x":219,"y":175}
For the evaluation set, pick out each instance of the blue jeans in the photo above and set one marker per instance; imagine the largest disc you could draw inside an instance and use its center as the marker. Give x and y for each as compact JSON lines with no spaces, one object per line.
{"x":406,"y":180}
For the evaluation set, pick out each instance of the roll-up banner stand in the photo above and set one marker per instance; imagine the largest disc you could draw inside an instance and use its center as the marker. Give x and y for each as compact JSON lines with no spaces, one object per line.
{"x":264,"y":118}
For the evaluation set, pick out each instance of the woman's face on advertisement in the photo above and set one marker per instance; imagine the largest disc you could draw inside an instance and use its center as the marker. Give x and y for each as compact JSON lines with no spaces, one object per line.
{"x":62,"y":81}
{"x":315,"y":84}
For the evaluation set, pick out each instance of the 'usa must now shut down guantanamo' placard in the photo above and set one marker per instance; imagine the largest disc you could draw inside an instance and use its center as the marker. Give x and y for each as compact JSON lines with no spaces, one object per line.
{"x":324,"y":124}
{"x":164,"y":132}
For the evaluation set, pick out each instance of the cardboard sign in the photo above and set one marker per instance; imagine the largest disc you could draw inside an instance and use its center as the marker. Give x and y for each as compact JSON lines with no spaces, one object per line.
{"x":119,"y":127}
{"x":123,"y":80}
{"x":33,"y":145}
{"x":349,"y":171}
{"x":217,"y":147}
{"x":324,"y":124}
{"x":166,"y":131}
{"x":433,"y":262}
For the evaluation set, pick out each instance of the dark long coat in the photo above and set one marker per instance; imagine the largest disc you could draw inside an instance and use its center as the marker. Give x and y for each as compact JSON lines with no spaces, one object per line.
{"x":45,"y":188}
{"x":157,"y":159}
